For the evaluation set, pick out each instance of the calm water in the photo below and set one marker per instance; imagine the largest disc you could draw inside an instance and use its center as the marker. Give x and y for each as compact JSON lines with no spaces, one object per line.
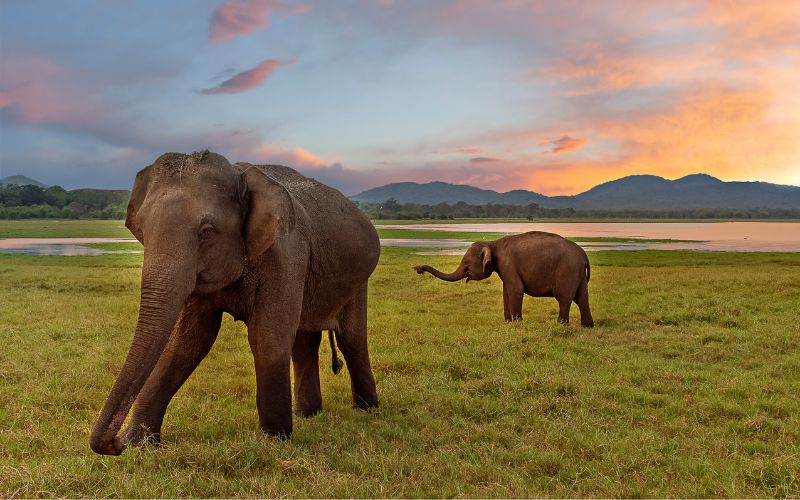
{"x":717,"y":236}
{"x":61,"y":246}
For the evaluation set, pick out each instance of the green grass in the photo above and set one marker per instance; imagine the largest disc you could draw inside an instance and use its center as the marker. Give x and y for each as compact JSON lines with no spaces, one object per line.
{"x":45,"y":228}
{"x":688,"y":386}
{"x":135,"y":245}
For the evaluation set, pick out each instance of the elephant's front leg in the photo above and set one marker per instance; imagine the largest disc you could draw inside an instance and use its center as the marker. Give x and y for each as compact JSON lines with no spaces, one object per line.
{"x":191,"y":340}
{"x":513,"y":293}
{"x":271,"y":337}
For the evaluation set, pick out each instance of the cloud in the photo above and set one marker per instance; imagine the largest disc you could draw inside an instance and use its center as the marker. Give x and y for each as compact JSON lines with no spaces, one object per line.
{"x":246,"y":80}
{"x":729,"y":131}
{"x":292,"y":156}
{"x":469,"y":151}
{"x":244,"y":17}
{"x":565,"y":144}
{"x":35,"y":90}
{"x":484,"y":159}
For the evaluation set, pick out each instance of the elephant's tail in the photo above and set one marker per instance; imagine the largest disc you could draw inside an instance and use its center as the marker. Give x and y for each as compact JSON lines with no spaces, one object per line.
{"x":588,"y":270}
{"x":336,"y":363}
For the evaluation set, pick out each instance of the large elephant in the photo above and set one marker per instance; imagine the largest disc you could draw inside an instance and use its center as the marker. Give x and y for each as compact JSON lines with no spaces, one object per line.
{"x":535,"y":263}
{"x":285,"y":254}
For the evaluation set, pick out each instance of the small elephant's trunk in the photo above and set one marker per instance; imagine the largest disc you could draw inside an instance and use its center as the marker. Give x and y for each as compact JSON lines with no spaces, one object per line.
{"x":458,"y":274}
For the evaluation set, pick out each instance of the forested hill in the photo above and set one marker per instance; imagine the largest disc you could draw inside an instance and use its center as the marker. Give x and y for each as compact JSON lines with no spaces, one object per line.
{"x":30,"y":201}
{"x":21,"y":180}
{"x":697,"y":195}
{"x":640,"y":192}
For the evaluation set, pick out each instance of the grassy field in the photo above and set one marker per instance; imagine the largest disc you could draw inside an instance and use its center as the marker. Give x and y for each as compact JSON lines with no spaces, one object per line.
{"x":44,"y":228}
{"x":688,"y":386}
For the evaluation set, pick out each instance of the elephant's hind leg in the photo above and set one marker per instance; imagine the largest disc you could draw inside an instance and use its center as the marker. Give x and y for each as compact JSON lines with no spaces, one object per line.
{"x":582,"y":300}
{"x":191,"y":340}
{"x":351,"y":336}
{"x":305,"y":358}
{"x":564,"y":303}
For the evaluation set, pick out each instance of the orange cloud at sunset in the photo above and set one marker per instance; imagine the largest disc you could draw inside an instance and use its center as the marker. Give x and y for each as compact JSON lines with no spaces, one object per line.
{"x":565,"y":144}
{"x":286,"y":155}
{"x":731,"y":132}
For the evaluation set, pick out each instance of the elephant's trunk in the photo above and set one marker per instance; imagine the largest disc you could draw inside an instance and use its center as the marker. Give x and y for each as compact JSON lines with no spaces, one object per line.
{"x":458,"y":274}
{"x":165,"y":287}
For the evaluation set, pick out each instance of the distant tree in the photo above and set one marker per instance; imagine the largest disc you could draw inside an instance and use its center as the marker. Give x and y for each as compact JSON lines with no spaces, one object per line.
{"x":56,"y":196}
{"x":31,"y":195}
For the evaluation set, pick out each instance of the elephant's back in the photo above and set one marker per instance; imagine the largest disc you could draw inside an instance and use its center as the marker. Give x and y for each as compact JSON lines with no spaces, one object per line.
{"x":319,"y":200}
{"x":303,"y":189}
{"x":546,"y":252}
{"x":342,"y":238}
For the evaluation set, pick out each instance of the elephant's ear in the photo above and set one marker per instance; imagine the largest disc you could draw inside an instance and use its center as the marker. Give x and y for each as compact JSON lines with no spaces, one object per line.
{"x":269,"y":211}
{"x":486,"y":256}
{"x":138,"y":193}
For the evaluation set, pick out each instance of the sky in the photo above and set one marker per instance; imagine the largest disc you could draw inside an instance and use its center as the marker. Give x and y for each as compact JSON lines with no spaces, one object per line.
{"x":549,"y":96}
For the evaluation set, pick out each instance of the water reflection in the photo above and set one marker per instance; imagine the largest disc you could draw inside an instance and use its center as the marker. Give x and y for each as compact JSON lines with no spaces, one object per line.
{"x":712,"y":236}
{"x":716,"y":236}
{"x":62,"y":246}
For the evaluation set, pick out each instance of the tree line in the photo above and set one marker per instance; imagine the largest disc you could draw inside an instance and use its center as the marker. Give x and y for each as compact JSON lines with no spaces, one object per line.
{"x":392,"y":209}
{"x":34,"y":202}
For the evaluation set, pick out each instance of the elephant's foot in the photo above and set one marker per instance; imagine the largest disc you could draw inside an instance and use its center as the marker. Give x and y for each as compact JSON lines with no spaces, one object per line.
{"x":365,"y":402}
{"x":113,"y":446}
{"x":279,"y":434}
{"x":308,"y":410}
{"x":138,"y":435}
{"x":587,"y":324}
{"x":278,"y":428}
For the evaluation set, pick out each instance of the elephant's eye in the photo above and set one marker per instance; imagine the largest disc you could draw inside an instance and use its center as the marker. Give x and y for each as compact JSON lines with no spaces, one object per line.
{"x":206,"y":231}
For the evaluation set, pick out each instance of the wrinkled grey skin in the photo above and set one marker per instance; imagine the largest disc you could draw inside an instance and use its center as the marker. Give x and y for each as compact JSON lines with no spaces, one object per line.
{"x":285,"y":254}
{"x":535,"y":263}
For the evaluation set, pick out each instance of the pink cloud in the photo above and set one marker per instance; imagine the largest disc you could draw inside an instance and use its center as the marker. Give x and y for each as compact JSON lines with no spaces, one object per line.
{"x":38,"y":91}
{"x":246,"y":80}
{"x":484,"y":159}
{"x":243,"y":17}
{"x":565,"y":144}
{"x":469,"y":151}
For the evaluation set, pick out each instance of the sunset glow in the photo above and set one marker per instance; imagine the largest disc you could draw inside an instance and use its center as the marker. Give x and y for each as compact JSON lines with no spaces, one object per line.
{"x":554,"y":97}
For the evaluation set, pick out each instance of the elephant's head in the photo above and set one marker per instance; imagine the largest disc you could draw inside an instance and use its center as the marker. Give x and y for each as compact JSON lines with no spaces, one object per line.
{"x":201,"y":221}
{"x":477,"y":264}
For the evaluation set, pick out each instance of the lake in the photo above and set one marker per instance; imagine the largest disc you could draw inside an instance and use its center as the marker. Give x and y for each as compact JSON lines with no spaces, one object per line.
{"x":708,"y":236}
{"x":717,"y":236}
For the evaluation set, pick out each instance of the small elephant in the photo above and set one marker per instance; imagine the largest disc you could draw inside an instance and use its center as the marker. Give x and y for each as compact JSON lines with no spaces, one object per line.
{"x":285,"y":254}
{"x":535,"y":263}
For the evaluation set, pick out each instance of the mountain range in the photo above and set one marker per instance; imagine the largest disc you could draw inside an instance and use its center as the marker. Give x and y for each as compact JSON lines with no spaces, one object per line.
{"x":640,"y":192}
{"x":644,"y":192}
